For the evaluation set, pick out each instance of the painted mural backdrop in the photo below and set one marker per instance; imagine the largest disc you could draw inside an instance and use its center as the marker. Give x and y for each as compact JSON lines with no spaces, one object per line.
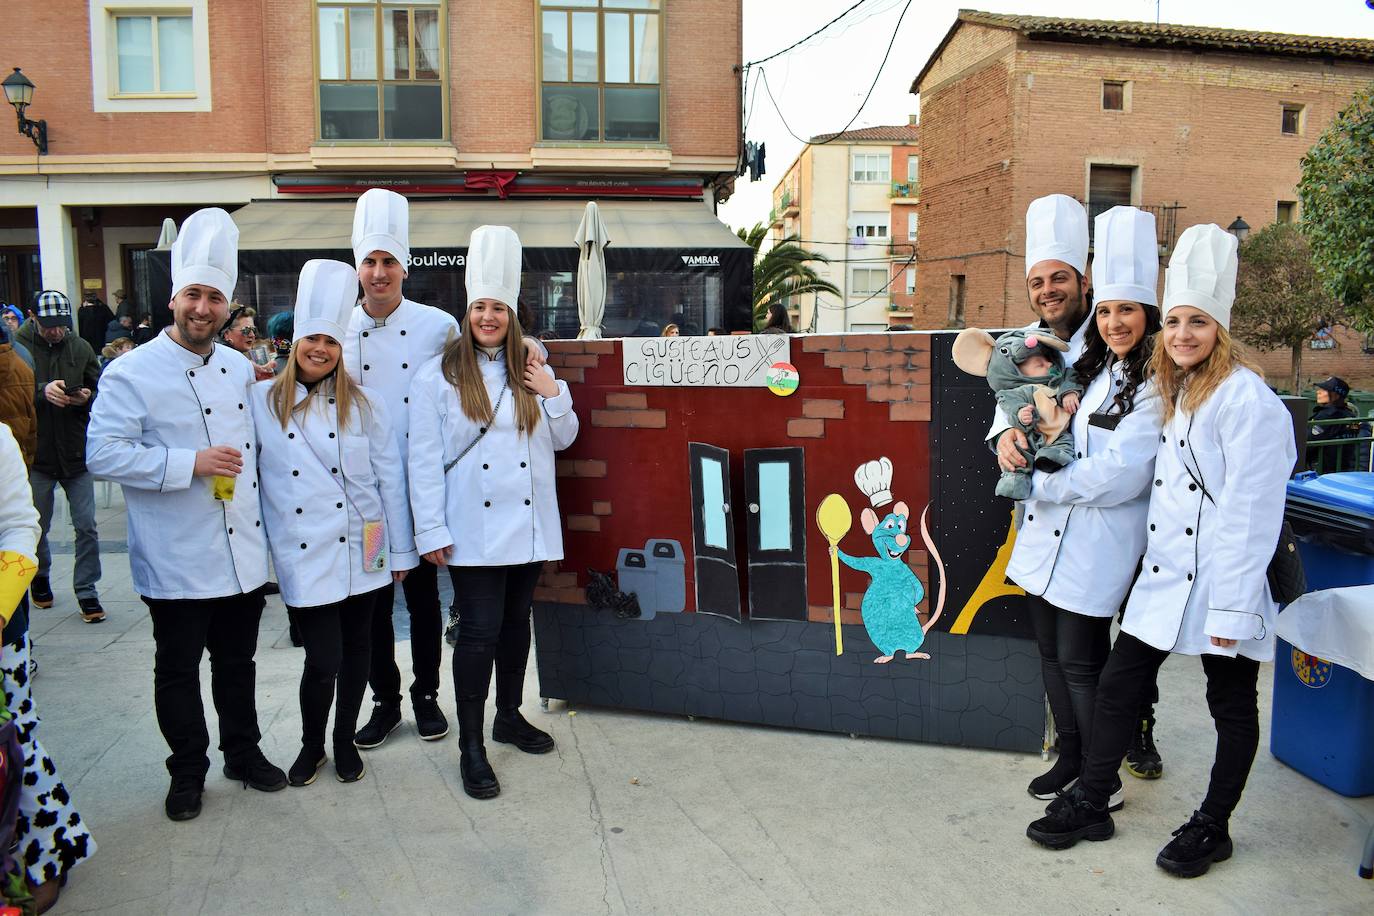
{"x":771,"y":551}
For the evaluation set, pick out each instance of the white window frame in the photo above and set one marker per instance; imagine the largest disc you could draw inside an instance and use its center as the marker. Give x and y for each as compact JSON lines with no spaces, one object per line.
{"x":913,"y":169}
{"x":912,"y":223}
{"x":875,"y":225}
{"x":855,"y":172}
{"x":105,"y":57}
{"x":882,"y":280}
{"x":910,"y":280}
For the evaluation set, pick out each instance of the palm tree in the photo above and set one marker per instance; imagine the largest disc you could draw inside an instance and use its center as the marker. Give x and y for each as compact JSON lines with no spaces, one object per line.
{"x":784,"y":270}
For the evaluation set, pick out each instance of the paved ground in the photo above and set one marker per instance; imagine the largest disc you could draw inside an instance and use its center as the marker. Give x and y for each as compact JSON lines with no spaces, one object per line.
{"x":639,"y":813}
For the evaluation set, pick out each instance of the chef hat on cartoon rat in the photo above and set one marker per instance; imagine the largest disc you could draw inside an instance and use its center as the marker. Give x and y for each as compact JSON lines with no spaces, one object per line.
{"x":493,"y":267}
{"x":874,"y":479}
{"x":206,"y":252}
{"x":1057,"y":230}
{"x":1126,"y":257}
{"x":1202,"y":272}
{"x":381,"y":222}
{"x":325,"y":296}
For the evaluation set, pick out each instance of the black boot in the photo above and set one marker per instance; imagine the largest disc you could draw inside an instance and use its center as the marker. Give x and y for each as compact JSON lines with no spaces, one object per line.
{"x":1142,"y":758}
{"x":307,"y":765}
{"x":479,"y":780}
{"x":510,"y":727}
{"x":1065,"y":770}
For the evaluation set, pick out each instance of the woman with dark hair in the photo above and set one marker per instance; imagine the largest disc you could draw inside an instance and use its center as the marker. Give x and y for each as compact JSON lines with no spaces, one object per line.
{"x":1216,"y":507}
{"x":778,"y":320}
{"x":1331,"y":405}
{"x":484,"y":426}
{"x":1091,"y":513}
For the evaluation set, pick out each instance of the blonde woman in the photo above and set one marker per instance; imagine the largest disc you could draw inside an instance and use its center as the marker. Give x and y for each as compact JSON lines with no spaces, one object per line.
{"x":1225,"y":454}
{"x":484,"y":427}
{"x":333,"y":495}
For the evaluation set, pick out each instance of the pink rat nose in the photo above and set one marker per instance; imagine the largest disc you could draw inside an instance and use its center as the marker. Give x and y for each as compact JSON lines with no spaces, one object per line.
{"x":1032,"y":341}
{"x":902,"y":540}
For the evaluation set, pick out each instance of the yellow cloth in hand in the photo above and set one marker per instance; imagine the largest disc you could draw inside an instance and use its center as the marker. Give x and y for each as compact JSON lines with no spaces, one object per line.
{"x":16,"y":572}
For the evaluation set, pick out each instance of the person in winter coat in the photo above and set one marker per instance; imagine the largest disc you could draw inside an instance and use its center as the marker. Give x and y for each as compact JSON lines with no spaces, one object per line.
{"x":484,"y":427}
{"x":173,"y":427}
{"x":1331,"y":405}
{"x":92,"y":320}
{"x":16,"y":397}
{"x":1084,"y":527}
{"x":334,"y":502}
{"x":66,"y":373}
{"x":1226,"y":452}
{"x":50,"y":837}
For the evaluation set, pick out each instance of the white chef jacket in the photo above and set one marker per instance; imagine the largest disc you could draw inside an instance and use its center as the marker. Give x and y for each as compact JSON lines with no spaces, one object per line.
{"x":497,"y":506}
{"x":159,"y":405}
{"x":1205,"y":563}
{"x":1000,"y":423}
{"x":1090,"y":515}
{"x":319,"y":485}
{"x":18,"y":518}
{"x":385,"y":355}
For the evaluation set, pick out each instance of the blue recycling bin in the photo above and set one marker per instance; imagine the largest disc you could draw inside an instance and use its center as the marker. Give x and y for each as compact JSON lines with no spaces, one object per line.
{"x":1333,"y":518}
{"x":1323,"y":712}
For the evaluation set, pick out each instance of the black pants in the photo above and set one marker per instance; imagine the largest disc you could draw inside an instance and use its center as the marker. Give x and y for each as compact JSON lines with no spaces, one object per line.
{"x":337,"y":638}
{"x":1231,"y":698}
{"x":1073,"y":649}
{"x":182,"y":631}
{"x":421,"y":588}
{"x":493,"y":629}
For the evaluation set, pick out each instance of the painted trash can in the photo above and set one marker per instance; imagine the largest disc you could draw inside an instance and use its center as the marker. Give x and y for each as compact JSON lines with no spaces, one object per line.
{"x":634,"y":577}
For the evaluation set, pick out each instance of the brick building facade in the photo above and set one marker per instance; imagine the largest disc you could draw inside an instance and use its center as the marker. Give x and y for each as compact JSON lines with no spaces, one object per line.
{"x":1198,"y":124}
{"x":849,"y":196}
{"x":157,"y":107}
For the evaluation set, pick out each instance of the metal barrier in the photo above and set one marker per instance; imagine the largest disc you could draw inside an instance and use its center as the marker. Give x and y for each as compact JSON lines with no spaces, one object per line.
{"x":1332,"y":455}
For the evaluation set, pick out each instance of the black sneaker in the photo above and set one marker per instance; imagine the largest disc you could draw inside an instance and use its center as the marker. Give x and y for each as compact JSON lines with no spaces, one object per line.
{"x":1142,"y":759}
{"x":348,"y":763}
{"x":429,"y":718}
{"x":385,"y":720}
{"x":1074,"y":819}
{"x":183,"y":798}
{"x":40,"y":592}
{"x":257,"y":771}
{"x":1195,"y":846}
{"x":91,"y":611}
{"x":1115,"y":801}
{"x":307,"y":766}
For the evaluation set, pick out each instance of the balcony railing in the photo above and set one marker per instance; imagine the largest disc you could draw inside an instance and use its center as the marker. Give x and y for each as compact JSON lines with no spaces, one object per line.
{"x":791,"y":202}
{"x":1166,"y":221}
{"x":908,"y":189}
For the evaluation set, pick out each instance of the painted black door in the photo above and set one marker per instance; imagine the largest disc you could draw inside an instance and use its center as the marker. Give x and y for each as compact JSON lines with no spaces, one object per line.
{"x":775,"y":487}
{"x":713,"y":532}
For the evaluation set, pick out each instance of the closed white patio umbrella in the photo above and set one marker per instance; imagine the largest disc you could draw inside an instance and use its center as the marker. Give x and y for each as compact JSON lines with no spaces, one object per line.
{"x":591,"y":240}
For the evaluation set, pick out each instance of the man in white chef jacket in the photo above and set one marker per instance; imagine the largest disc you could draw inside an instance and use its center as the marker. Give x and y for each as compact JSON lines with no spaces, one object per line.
{"x":173,"y":427}
{"x":1060,"y":296}
{"x":389,"y":338}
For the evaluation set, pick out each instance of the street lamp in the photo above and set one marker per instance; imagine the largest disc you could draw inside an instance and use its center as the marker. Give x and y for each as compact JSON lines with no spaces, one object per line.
{"x":19,"y":93}
{"x":1240,"y":229}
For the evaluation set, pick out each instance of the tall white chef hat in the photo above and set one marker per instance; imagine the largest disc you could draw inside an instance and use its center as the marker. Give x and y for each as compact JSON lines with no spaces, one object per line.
{"x":381,"y":222}
{"x":206,"y":252}
{"x":1202,"y":272}
{"x":1057,"y":230}
{"x":325,"y":296}
{"x":493,"y":268}
{"x":1126,"y":260}
{"x":874,"y":479}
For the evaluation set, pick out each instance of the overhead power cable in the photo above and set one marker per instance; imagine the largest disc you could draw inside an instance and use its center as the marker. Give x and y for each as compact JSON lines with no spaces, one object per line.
{"x":795,"y":44}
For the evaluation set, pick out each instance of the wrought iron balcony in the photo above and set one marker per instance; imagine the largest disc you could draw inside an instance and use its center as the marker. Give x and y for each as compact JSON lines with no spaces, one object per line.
{"x":905,"y":189}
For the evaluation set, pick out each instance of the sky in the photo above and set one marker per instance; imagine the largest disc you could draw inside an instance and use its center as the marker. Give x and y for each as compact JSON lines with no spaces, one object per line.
{"x":819,"y":86}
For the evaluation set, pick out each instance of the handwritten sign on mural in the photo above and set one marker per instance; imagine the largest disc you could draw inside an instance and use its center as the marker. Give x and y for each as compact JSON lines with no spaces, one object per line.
{"x":704,"y":362}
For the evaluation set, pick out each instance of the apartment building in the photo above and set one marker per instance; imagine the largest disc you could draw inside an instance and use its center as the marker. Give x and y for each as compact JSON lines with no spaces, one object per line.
{"x":851,"y":196}
{"x":1195,"y":124}
{"x":498,"y":110}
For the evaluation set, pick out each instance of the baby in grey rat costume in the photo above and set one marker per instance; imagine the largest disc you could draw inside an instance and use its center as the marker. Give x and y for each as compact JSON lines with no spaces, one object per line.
{"x":1034,"y":389}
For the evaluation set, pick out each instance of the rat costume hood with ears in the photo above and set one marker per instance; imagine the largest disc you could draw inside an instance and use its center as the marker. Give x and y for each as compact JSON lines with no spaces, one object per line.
{"x":1000,"y":360}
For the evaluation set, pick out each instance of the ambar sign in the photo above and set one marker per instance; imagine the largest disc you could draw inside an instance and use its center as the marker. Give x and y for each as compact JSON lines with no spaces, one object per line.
{"x":701,"y":260}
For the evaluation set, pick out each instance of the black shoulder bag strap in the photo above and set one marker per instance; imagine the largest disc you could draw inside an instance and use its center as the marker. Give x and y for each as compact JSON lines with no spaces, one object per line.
{"x":481,"y":430}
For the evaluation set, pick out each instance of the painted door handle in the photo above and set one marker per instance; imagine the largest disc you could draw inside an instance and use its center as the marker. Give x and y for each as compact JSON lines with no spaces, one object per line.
{"x":754,"y":508}
{"x":725,"y":507}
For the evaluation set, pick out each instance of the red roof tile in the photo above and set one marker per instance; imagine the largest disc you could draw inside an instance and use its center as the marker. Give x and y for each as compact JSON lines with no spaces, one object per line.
{"x":898,"y":133}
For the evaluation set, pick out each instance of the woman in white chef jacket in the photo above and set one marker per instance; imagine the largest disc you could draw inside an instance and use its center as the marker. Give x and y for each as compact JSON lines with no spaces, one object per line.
{"x":1225,"y":454}
{"x":1083,"y":529}
{"x":333,"y":494}
{"x":484,"y":427}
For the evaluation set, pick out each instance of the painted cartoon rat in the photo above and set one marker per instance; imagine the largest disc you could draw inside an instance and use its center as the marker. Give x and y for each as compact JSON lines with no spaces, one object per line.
{"x":889,"y":605}
{"x":1037,"y":394}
